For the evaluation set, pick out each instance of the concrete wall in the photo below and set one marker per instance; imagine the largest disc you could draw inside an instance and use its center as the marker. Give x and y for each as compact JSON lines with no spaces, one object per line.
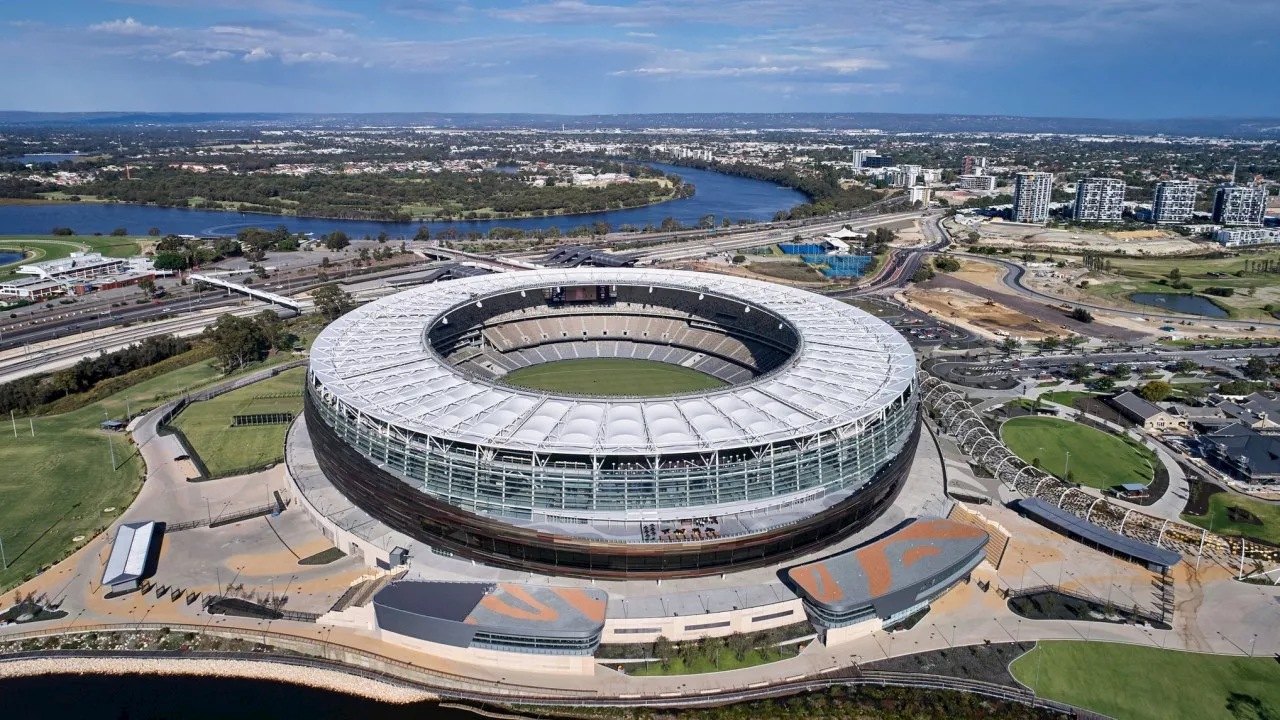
{"x":345,"y":541}
{"x":688,"y":627}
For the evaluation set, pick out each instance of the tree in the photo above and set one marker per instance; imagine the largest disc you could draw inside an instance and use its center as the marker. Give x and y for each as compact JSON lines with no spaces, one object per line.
{"x":739,"y":644}
{"x":1155,"y":391}
{"x":664,"y":650}
{"x":1049,"y":343}
{"x":169,"y":261}
{"x":424,"y":233}
{"x":332,"y":301}
{"x":922,"y":273}
{"x":119,"y":232}
{"x":712,"y":647}
{"x":1073,"y":341}
{"x":154,"y":232}
{"x":147,"y":286}
{"x":1122,"y":371}
{"x":273,"y":330}
{"x":1079,"y":372}
{"x":1081,"y":315}
{"x":237,"y":341}
{"x":739,"y":259}
{"x":1104,"y":383}
{"x":62,"y":231}
{"x":946,"y":264}
{"x":1010,"y":345}
{"x":1175,"y":274}
{"x":1256,"y":368}
{"x":1186,"y":365}
{"x":336,"y":240}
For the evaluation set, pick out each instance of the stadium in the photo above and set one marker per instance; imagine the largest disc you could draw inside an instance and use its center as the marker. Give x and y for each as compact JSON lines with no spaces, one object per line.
{"x":614,"y":422}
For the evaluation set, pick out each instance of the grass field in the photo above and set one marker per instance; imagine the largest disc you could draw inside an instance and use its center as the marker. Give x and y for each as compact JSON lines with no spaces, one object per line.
{"x":797,"y":271}
{"x":1133,"y":682}
{"x":1266,"y":513}
{"x":1098,"y":460}
{"x":227,"y":450}
{"x":1066,"y":397}
{"x":1140,"y":276}
{"x":612,"y":376}
{"x":56,"y":486}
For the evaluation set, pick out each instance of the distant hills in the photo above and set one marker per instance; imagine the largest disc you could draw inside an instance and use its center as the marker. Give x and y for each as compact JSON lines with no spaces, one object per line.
{"x":1250,"y":128}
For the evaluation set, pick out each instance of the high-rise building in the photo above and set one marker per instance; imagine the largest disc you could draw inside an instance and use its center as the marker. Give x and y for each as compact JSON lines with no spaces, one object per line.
{"x":978,"y":182}
{"x":877,"y":161}
{"x":1099,"y":200}
{"x":973,"y":165}
{"x":1240,"y":205}
{"x":1031,"y":193}
{"x":1175,"y":202}
{"x":859,"y":157}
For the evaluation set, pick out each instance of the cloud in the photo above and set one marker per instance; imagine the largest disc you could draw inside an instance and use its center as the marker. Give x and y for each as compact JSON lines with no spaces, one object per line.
{"x":199,"y":57}
{"x":287,"y":8}
{"x":642,"y":35}
{"x":127,"y":26}
{"x":432,"y":10}
{"x":257,"y":54}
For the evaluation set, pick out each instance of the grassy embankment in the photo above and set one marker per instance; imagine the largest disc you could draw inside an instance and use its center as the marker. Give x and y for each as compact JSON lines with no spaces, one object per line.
{"x":1134,"y":682}
{"x":1098,"y":460}
{"x":227,"y":450}
{"x":1231,"y":514}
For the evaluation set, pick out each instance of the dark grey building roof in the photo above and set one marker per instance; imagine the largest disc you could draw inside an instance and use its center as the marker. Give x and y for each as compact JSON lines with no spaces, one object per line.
{"x":1252,"y":409}
{"x":890,"y":573}
{"x":1134,"y":406}
{"x":1247,"y":449}
{"x":574,"y":255}
{"x":447,"y":611}
{"x":1076,"y":526}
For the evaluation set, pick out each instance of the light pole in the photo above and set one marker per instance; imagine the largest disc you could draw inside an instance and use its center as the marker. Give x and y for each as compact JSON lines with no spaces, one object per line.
{"x":5,"y":561}
{"x":1066,"y":470}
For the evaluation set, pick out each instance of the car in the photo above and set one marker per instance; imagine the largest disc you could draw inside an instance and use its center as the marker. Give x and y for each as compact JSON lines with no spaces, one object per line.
{"x":180,"y":458}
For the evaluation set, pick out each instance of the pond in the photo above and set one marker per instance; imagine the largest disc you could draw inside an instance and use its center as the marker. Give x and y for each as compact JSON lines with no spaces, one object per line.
{"x":8,"y":257}
{"x":1180,"y":302}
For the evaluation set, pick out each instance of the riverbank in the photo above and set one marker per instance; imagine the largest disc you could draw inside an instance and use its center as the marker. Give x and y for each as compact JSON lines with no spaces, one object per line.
{"x":204,"y":667}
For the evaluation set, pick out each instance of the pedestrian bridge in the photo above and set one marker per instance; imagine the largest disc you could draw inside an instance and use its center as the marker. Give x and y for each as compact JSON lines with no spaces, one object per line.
{"x":263,"y":295}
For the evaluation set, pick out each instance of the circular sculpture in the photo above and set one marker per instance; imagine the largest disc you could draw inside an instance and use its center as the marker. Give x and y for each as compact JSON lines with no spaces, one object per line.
{"x":809,"y":439}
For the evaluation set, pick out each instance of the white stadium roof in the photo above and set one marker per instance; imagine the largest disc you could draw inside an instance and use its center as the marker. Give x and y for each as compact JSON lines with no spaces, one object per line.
{"x":848,"y":366}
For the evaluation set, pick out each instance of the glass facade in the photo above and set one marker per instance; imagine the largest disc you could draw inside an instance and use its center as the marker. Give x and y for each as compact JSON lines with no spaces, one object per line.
{"x":585,"y":488}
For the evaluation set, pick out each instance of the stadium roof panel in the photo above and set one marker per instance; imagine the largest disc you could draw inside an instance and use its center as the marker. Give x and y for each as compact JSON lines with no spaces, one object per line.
{"x":849,"y":365}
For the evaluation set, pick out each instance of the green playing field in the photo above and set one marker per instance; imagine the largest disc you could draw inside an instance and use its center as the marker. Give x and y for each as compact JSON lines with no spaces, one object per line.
{"x":612,"y":376}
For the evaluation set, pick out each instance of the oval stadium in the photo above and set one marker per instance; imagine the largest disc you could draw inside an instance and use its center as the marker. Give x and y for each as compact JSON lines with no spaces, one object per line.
{"x":614,"y":422}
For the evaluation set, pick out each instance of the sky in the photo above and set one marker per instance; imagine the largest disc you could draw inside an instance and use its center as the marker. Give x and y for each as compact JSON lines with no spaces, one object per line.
{"x":1070,"y":58}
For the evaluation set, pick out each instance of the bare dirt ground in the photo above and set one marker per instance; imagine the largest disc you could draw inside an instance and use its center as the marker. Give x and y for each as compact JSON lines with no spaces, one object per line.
{"x":1041,"y":240}
{"x":976,"y":314}
{"x":1053,"y":319}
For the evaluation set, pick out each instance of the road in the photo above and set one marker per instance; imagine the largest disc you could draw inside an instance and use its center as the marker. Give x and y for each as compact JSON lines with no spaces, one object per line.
{"x":1013,"y":279}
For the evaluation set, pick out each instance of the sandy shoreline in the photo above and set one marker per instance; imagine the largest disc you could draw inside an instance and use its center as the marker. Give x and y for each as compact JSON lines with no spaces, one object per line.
{"x":246,"y":669}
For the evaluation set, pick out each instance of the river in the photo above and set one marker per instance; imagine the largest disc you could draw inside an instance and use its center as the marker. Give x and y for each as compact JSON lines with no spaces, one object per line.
{"x":717,"y":194}
{"x":147,"y":697}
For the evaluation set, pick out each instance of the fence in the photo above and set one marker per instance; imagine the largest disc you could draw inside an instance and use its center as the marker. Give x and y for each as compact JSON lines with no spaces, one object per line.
{"x":1009,"y":593}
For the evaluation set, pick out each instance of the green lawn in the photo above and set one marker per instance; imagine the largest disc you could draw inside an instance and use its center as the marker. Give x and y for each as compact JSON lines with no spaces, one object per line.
{"x":1267,"y":513}
{"x":56,"y":486}
{"x":612,"y":376}
{"x":1098,"y":460}
{"x":1066,"y":397}
{"x":227,"y":450}
{"x":1134,"y":682}
{"x":727,"y":661}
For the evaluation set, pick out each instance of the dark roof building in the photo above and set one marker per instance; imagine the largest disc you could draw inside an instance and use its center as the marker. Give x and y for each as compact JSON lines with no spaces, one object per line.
{"x":1146,"y":414}
{"x":1244,"y":453}
{"x":1083,"y":531}
{"x":574,"y":256}
{"x":494,"y":616}
{"x":1256,"y":411}
{"x":891,"y":578}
